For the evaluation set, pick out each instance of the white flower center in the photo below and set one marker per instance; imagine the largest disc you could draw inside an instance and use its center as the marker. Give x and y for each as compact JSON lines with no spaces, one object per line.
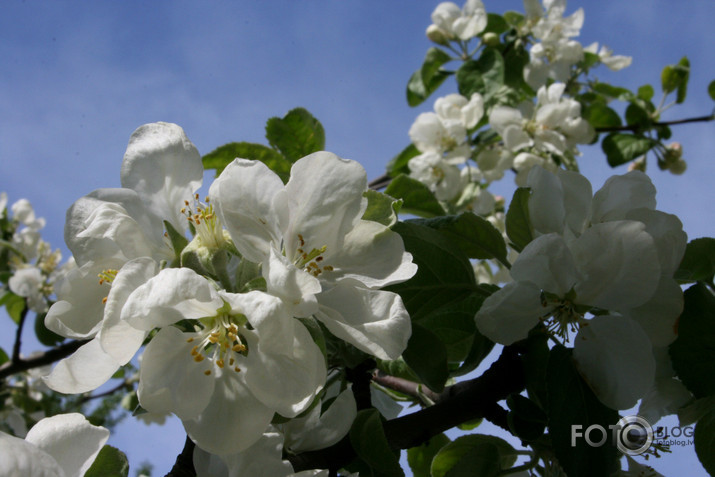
{"x":204,"y":222}
{"x":311,"y":262}
{"x":220,"y":341}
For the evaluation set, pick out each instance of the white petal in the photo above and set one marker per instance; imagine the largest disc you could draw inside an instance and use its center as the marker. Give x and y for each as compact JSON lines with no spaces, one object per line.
{"x":84,"y":370}
{"x":165,"y":169}
{"x":262,"y":459}
{"x":316,"y":431}
{"x":659,"y":315}
{"x":243,"y":195}
{"x":375,"y":321}
{"x":19,"y":458}
{"x":118,"y":338}
{"x":665,"y":398}
{"x":170,"y":380}
{"x":667,"y":232}
{"x":70,"y":439}
{"x":287,"y":383}
{"x":614,"y":356}
{"x":325,"y":200}
{"x":172,"y":295}
{"x":508,"y":314}
{"x":296,"y":286}
{"x":621,"y":194}
{"x":547,"y":263}
{"x":618,"y":263}
{"x":373,"y":255}
{"x":232,"y":421}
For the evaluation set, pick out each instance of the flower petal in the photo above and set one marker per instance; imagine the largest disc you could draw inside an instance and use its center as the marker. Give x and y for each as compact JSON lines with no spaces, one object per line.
{"x":164,"y":168}
{"x":84,"y":370}
{"x":547,"y":263}
{"x":508,"y":314}
{"x":295,"y":286}
{"x":170,"y":380}
{"x":615,"y":357}
{"x":70,"y":439}
{"x":243,"y":195}
{"x":621,"y":194}
{"x":20,"y":458}
{"x":375,"y":321}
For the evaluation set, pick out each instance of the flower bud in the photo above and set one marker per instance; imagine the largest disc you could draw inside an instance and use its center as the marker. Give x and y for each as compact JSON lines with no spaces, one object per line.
{"x":678,"y":167}
{"x":437,"y":35}
{"x":638,"y":165}
{"x":491,"y":39}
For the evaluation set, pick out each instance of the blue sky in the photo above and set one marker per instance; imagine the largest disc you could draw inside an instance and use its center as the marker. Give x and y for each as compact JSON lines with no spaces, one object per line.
{"x":78,"y":77}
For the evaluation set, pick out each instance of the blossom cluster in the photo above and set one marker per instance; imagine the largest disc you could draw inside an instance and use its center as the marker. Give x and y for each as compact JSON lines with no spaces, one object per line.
{"x":225,"y":313}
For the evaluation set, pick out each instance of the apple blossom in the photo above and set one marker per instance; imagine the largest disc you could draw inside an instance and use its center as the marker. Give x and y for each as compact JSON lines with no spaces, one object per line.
{"x":605,"y":54}
{"x":64,"y":445}
{"x":455,"y":23}
{"x":316,"y":252}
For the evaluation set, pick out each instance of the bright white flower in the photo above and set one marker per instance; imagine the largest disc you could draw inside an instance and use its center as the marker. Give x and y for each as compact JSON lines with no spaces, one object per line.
{"x":553,"y":126}
{"x":433,"y":171}
{"x":462,"y":24}
{"x":316,"y":252}
{"x":493,"y":162}
{"x":605,"y":54}
{"x":110,"y":228}
{"x":226,"y":377}
{"x":458,"y":108}
{"x":668,"y":393}
{"x":29,"y":282}
{"x":64,"y":445}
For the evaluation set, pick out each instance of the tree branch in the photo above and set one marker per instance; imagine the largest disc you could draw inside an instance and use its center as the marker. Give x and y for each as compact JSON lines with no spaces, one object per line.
{"x":462,"y":402}
{"x":18,"y":334}
{"x":184,"y":465}
{"x":42,"y":359}
{"x":380,"y":183}
{"x":638,"y":127}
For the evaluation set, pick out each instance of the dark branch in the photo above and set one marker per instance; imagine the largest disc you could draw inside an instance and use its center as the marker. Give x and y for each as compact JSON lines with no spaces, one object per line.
{"x":184,"y":465}
{"x":18,"y":334}
{"x":460,"y":403}
{"x":380,"y":183}
{"x":42,"y":359}
{"x":638,"y":127}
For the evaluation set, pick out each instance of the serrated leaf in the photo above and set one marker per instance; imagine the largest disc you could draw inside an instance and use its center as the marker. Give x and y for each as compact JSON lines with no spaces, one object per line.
{"x":704,"y":438}
{"x":518,"y":225}
{"x":222,"y":156}
{"x":420,"y":458}
{"x":636,"y":115}
{"x":416,"y":197}
{"x":622,"y":148}
{"x":398,"y":164}
{"x":427,"y":356}
{"x":110,"y":462}
{"x":370,"y":444}
{"x":474,"y":235}
{"x":428,"y":78}
{"x":296,"y":134}
{"x":571,"y":402}
{"x":381,"y":208}
{"x":692,"y":353}
{"x":698,"y":261}
{"x":474,"y":454}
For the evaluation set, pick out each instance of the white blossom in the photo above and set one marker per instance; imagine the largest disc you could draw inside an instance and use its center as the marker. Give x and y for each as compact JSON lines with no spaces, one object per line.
{"x":463,"y":24}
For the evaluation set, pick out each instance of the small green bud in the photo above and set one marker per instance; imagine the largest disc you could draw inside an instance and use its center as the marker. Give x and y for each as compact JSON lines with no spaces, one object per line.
{"x":491,"y":39}
{"x":435,"y":34}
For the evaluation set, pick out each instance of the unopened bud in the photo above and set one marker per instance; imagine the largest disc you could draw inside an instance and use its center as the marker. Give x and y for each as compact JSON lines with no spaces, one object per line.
{"x":678,"y":167}
{"x":638,"y":165}
{"x":491,"y":39}
{"x":673,"y":153}
{"x":437,"y":35}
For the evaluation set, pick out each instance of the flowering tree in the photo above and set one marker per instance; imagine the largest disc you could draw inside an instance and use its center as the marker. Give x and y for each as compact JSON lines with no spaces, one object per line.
{"x":283,"y":316}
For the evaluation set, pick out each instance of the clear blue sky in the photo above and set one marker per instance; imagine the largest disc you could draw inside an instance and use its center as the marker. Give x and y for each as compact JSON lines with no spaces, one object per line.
{"x":78,"y":77}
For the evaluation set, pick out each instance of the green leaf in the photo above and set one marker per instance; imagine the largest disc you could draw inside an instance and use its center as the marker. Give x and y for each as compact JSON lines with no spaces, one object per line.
{"x":612,"y":92}
{"x":381,"y":208}
{"x":178,"y":240}
{"x":571,"y":402}
{"x":636,"y":115}
{"x":427,"y":79}
{"x":513,"y":18}
{"x":398,"y":164}
{"x":420,"y":458}
{"x":417,"y":198}
{"x":222,"y":156}
{"x":646,"y":92}
{"x":296,"y":135}
{"x":495,"y":24}
{"x":692,"y":353}
{"x":44,"y":335}
{"x":484,"y":75}
{"x":526,"y":419}
{"x":518,"y":225}
{"x":474,"y":235}
{"x":622,"y":148}
{"x":535,"y":360}
{"x":110,"y":462}
{"x":370,"y":444}
{"x":711,"y":90}
{"x":472,"y":455}
{"x":704,"y":437}
{"x":675,"y":77}
{"x":4,"y":358}
{"x":691,"y":413}
{"x":14,"y":305}
{"x":427,"y":356}
{"x":698,"y":262}
{"x":601,"y":116}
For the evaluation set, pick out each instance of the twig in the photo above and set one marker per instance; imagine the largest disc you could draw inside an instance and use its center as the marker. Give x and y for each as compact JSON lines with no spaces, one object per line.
{"x":42,"y":359}
{"x":637,"y":127}
{"x":380,"y":182}
{"x":18,"y":334}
